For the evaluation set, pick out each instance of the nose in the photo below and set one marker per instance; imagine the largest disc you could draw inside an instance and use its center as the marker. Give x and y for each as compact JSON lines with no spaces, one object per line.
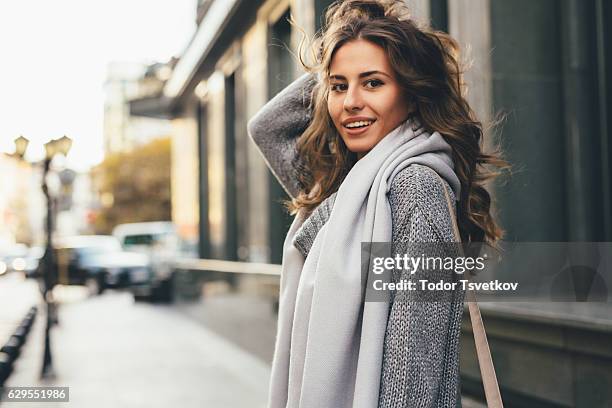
{"x":353,"y":100}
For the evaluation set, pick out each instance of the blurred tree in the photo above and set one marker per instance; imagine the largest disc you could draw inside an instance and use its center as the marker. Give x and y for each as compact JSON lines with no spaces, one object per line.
{"x":134,"y":186}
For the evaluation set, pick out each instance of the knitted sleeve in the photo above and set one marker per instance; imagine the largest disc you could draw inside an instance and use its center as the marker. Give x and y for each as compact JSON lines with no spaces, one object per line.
{"x":421,"y":348}
{"x":276,"y":127}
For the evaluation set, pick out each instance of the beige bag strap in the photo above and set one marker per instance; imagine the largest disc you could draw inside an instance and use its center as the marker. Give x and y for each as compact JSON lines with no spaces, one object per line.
{"x":487,"y":370}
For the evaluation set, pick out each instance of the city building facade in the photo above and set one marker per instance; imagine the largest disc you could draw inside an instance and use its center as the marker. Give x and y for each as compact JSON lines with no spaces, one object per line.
{"x":126,"y":81}
{"x":18,"y":201}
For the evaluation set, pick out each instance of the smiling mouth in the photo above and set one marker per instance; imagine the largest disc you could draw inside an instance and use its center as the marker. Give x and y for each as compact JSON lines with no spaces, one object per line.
{"x":359,"y":127}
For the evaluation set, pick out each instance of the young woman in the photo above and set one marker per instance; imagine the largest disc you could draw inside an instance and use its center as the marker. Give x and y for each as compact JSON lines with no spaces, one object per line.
{"x":371,"y":145}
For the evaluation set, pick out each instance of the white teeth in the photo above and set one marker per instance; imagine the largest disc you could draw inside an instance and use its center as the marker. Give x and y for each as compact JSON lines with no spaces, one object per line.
{"x":359,"y":124}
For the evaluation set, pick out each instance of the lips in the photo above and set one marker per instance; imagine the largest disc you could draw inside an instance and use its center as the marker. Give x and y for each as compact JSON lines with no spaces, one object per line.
{"x":353,"y":119}
{"x":353,"y":131}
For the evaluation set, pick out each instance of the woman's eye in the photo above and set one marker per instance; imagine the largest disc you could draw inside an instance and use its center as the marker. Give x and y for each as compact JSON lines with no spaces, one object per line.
{"x":373,"y":83}
{"x":338,"y":87}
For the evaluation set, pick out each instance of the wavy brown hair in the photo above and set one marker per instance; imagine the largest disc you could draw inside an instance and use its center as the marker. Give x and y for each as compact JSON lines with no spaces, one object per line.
{"x":426,"y":65}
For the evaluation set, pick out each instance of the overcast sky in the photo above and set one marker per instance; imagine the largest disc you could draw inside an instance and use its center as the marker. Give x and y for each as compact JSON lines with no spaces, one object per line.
{"x":53,"y":63}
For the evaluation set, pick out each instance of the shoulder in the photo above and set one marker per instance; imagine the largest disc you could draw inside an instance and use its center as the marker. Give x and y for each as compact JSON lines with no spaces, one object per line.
{"x":418,"y":183}
{"x":417,"y":193}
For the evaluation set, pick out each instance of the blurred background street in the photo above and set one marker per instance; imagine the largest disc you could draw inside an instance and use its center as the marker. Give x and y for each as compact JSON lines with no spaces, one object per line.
{"x":113,"y":352}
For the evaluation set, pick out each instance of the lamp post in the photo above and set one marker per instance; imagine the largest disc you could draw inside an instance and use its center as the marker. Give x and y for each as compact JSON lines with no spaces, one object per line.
{"x":52,"y":148}
{"x":21,"y":145}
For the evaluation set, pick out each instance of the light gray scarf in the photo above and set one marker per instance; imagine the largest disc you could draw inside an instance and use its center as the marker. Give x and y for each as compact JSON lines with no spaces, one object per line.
{"x":329,"y":344}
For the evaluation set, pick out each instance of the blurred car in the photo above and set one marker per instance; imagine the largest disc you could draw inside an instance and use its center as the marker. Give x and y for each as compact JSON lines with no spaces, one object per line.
{"x":98,"y":262}
{"x":13,"y":258}
{"x":159,"y":242}
{"x":32,"y":260}
{"x":121,"y":269}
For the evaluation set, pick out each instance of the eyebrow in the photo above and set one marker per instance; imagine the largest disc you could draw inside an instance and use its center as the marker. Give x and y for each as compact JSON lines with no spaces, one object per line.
{"x":362,"y":75}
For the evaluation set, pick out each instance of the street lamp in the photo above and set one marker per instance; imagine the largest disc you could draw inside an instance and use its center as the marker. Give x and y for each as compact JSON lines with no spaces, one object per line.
{"x":52,"y":148}
{"x":64,"y":144}
{"x":21,"y":145}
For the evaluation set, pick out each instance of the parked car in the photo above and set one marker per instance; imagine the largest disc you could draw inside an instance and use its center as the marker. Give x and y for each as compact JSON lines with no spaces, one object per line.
{"x":98,"y":262}
{"x":121,"y":269}
{"x":32,"y":260}
{"x":159,"y":242}
{"x":13,"y":258}
{"x":3,"y":266}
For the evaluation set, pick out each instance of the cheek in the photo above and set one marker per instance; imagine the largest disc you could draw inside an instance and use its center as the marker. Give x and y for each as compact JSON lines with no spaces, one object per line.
{"x":332,"y":108}
{"x":393,"y":106}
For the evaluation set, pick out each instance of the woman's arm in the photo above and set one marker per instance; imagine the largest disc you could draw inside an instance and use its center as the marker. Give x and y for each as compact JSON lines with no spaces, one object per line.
{"x":277,"y":126}
{"x":421,"y":349}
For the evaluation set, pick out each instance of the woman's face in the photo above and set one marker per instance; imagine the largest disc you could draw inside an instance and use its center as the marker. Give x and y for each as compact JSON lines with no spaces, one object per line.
{"x":365,"y":101}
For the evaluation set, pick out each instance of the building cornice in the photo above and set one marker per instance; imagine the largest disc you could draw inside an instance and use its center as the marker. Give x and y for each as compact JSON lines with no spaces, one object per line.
{"x":200,"y":46}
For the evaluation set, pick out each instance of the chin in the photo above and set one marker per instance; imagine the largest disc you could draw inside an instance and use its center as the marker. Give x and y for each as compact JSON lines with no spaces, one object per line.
{"x":359,"y":146}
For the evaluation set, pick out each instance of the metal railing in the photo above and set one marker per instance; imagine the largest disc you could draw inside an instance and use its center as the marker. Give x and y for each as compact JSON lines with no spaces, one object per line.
{"x":10,"y":351}
{"x":215,"y":265}
{"x":191,"y":274}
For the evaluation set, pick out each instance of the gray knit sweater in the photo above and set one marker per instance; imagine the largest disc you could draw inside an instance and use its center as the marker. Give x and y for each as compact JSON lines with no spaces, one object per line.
{"x":421,"y":349}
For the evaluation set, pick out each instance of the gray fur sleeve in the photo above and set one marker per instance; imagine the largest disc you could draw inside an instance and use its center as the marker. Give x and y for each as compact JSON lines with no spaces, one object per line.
{"x":276,"y":127}
{"x":421,"y":348}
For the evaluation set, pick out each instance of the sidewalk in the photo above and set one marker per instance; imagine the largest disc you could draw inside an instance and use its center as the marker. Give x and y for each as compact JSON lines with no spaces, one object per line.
{"x":17,"y":295}
{"x":113,"y":352}
{"x":248,"y":322}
